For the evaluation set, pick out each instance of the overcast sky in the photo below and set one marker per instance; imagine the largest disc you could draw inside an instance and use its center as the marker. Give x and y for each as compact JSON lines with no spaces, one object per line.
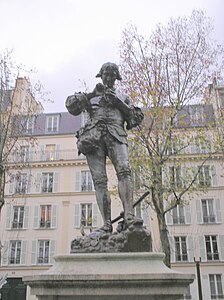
{"x":67,"y":41}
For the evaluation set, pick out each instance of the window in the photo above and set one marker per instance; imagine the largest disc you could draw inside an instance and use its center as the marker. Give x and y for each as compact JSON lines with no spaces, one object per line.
{"x":24,"y":153}
{"x":216,"y":287}
{"x":86,"y":181}
{"x":53,"y":123}
{"x":50,"y":151}
{"x":208,"y":210}
{"x":45,"y":216}
{"x":211,"y":247}
{"x":18,"y":217}
{"x":21,"y":183}
{"x":47,"y":182}
{"x":175,"y":176}
{"x":204,"y":178}
{"x":202,"y":146}
{"x":30,"y":124}
{"x":181,"y":248}
{"x":197,"y":115}
{"x":15,"y":252}
{"x":178,"y":215}
{"x":86,"y":214}
{"x":177,"y":146}
{"x":43,"y":252}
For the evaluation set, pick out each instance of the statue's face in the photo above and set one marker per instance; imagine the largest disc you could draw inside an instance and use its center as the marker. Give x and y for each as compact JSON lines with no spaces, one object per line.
{"x":108,"y":77}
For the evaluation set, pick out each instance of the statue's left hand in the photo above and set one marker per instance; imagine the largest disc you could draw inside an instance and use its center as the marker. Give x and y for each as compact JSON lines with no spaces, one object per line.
{"x":109,"y":91}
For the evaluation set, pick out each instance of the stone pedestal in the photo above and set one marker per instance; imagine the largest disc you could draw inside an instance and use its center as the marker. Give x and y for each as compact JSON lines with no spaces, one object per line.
{"x":120,"y":276}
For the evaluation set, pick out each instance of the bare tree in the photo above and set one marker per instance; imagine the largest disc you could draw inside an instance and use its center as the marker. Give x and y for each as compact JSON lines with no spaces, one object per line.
{"x":167,"y":74}
{"x":18,"y":109}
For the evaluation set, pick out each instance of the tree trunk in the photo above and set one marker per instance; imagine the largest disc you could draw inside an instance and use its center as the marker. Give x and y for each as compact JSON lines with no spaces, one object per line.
{"x":164,"y":238}
{"x":2,"y":184}
{"x":158,"y":201}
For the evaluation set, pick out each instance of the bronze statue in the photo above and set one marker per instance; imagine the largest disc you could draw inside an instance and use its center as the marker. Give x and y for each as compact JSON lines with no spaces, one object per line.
{"x":104,"y":136}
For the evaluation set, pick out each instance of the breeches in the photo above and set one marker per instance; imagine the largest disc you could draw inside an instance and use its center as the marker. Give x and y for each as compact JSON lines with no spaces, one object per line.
{"x":118,"y":154}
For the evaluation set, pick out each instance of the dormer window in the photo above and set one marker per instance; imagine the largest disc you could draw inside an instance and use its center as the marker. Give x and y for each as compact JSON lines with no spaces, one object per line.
{"x":52,"y":124}
{"x":30,"y":124}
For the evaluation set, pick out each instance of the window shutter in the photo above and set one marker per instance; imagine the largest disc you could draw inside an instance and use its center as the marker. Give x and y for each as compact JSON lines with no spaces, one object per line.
{"x":77,"y":181}
{"x":172,"y":249}
{"x":54,"y":216}
{"x":198,"y":211}
{"x":93,"y":187}
{"x":38,"y":182}
{"x":5,"y":253}
{"x":57,"y":152}
{"x":144,"y":214}
{"x":218,"y":211}
{"x":34,"y":253}
{"x":169,"y":218}
{"x":195,"y":173}
{"x":202,"y":248}
{"x":222,"y":280}
{"x":12,"y":184}
{"x":214,"y":177}
{"x":9,"y":212}
{"x":190,"y":248}
{"x":77,"y":216}
{"x":28,"y":187}
{"x":56,"y":181}
{"x":26,"y":215}
{"x":95,"y":215}
{"x":193,"y":147}
{"x":183,"y":176}
{"x":166,"y":176}
{"x":42,"y":152}
{"x":23,"y":253}
{"x":168,"y":215}
{"x":31,"y":154}
{"x":206,"y":287}
{"x":36,"y":217}
{"x":221,"y":246}
{"x":187,"y":209}
{"x":52,"y":251}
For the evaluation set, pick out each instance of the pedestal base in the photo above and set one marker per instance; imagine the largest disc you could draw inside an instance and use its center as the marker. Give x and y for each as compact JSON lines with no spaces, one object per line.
{"x":120,"y":276}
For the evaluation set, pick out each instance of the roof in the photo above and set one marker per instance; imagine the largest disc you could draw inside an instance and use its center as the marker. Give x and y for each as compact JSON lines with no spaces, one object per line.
{"x":189,"y":116}
{"x":67,"y":124}
{"x":5,"y":99}
{"x":197,"y":115}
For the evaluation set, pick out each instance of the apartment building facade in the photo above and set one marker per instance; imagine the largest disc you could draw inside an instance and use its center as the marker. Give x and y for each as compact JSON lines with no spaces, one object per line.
{"x":196,"y":229}
{"x":51,"y":199}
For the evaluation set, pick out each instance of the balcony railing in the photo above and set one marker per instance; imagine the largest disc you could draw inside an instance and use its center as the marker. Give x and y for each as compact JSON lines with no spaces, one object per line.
{"x":39,"y":156}
{"x":209,"y":219}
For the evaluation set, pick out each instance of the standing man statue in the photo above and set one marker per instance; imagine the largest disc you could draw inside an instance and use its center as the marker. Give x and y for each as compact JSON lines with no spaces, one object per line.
{"x":104,"y":136}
